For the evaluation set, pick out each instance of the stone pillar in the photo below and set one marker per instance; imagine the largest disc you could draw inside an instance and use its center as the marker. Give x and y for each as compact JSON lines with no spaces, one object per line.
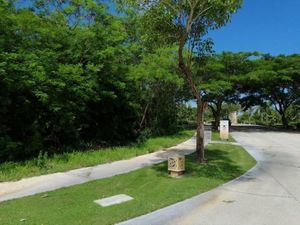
{"x":176,"y":165}
{"x":233,"y":118}
{"x":224,"y":129}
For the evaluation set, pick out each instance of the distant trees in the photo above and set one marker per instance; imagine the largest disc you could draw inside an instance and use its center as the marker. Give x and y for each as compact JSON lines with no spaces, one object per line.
{"x":221,"y":77}
{"x":274,"y":80}
{"x":269,"y":84}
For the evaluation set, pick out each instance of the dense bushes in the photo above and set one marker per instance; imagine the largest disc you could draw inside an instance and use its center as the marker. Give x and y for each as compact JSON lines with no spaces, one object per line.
{"x":65,"y":82}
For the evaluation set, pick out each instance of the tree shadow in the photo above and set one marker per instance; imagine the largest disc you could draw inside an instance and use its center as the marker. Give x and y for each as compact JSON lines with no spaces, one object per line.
{"x":219,"y":166}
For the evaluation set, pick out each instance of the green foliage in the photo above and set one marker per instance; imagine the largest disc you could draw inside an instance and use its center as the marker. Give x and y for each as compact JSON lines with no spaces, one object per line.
{"x":164,"y":20}
{"x":45,"y":164}
{"x":220,"y":77}
{"x":71,"y":73}
{"x":74,"y":75}
{"x":184,"y":24}
{"x":41,"y":161}
{"x":161,"y":91}
{"x":63,"y":78}
{"x":186,"y":116}
{"x":266,"y":115}
{"x":293,"y":116}
{"x":274,"y":80}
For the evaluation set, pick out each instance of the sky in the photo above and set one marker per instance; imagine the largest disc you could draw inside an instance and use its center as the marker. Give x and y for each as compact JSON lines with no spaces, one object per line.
{"x":267,"y":26}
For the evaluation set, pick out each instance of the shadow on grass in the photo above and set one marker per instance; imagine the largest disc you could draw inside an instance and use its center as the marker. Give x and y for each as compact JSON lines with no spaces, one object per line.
{"x":219,"y":166}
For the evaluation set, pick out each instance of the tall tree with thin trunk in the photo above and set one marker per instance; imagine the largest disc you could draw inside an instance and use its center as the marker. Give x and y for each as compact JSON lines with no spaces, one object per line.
{"x":184,"y":23}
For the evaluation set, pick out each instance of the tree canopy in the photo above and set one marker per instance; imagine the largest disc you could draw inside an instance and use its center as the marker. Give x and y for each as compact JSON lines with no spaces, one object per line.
{"x":184,"y":23}
{"x":274,"y":80}
{"x":75,"y":74}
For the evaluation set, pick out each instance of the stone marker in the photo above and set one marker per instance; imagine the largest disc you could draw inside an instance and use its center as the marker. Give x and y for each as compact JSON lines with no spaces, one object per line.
{"x":113,"y":200}
{"x":176,"y":165}
{"x":224,"y":129}
{"x":233,"y":118}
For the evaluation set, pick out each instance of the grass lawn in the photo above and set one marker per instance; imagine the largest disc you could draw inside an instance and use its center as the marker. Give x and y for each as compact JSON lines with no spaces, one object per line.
{"x":151,"y":188}
{"x":59,"y":163}
{"x":215,"y":136}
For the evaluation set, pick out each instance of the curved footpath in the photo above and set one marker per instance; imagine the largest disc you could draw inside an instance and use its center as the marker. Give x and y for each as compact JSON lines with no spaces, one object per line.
{"x":268,"y":194}
{"x":50,"y":182}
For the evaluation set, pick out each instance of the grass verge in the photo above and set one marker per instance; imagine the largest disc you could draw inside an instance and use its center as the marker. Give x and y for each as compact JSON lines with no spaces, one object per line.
{"x":68,"y":161}
{"x":215,"y":136}
{"x":151,"y":188}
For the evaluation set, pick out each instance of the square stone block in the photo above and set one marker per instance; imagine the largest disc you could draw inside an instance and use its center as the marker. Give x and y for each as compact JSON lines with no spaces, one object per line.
{"x":113,"y":200}
{"x":176,"y":165}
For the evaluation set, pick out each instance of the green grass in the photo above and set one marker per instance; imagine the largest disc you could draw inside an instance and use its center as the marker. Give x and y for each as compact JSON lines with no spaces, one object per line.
{"x":151,"y":188}
{"x":59,"y":163}
{"x":215,"y":136}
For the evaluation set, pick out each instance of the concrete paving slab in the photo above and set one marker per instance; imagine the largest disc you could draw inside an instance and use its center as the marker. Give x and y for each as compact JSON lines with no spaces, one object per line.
{"x":113,"y":200}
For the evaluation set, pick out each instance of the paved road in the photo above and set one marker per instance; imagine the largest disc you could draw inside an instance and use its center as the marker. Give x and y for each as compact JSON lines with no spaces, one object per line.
{"x":45,"y":183}
{"x":269,"y":194}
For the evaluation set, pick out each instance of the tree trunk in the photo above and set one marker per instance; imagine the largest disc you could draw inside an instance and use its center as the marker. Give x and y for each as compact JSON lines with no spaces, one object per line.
{"x":216,"y":114}
{"x":200,"y":131}
{"x":200,"y":114}
{"x":186,"y":71}
{"x":144,"y":117}
{"x":214,"y":126}
{"x":282,"y":109}
{"x":217,"y":121}
{"x":284,"y":120}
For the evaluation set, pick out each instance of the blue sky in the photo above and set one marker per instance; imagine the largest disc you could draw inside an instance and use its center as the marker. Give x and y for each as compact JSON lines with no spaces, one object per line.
{"x":268,"y":26}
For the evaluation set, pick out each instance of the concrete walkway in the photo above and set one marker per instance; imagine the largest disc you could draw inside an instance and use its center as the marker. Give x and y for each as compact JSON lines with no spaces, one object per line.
{"x":269,"y":194}
{"x":45,"y":183}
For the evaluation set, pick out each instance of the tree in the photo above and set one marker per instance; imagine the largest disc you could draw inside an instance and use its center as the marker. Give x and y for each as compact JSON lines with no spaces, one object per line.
{"x":221,"y":74}
{"x":185,"y":22}
{"x":160,"y":90}
{"x":265,"y":115}
{"x":64,"y":79}
{"x":275,"y":80}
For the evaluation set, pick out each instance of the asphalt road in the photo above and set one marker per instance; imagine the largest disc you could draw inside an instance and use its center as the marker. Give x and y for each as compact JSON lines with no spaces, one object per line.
{"x":269,"y":194}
